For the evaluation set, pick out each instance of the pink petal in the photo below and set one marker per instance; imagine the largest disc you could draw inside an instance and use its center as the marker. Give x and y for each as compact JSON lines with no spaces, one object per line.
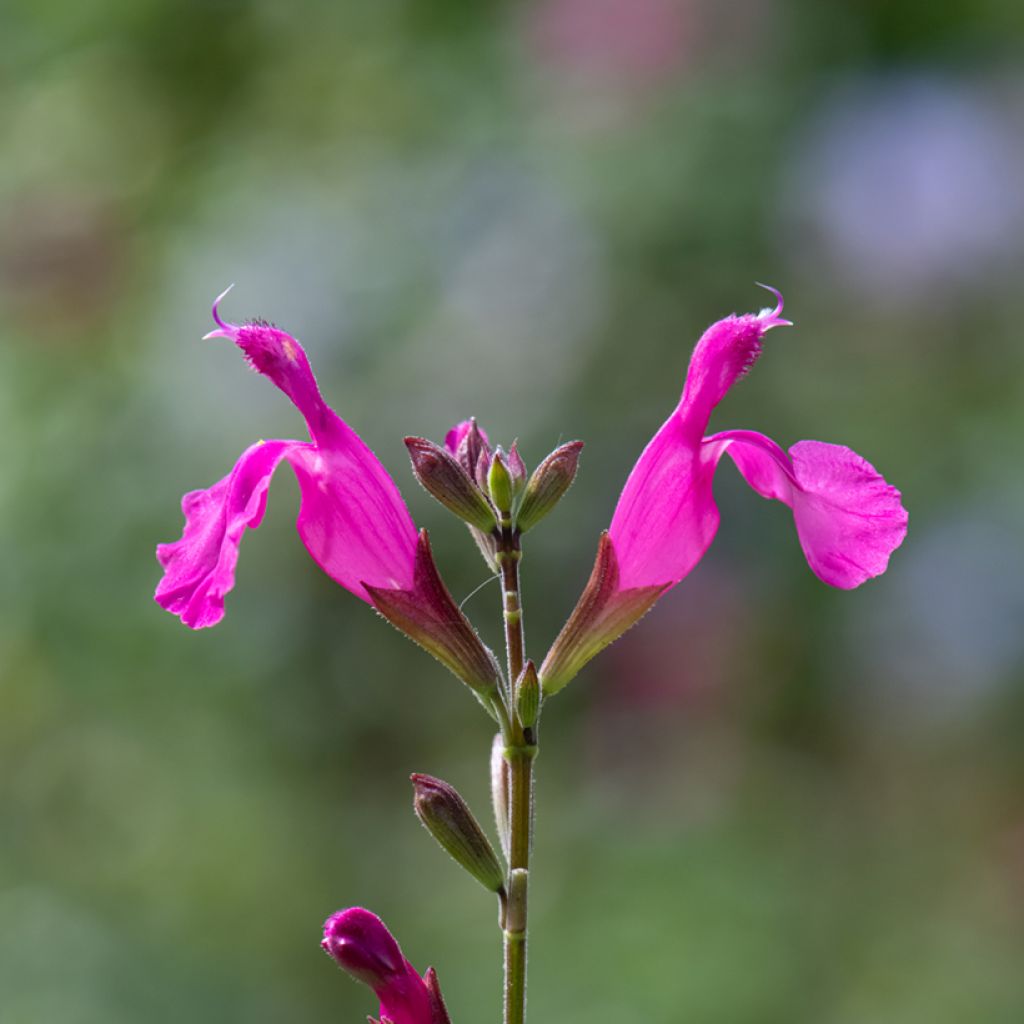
{"x":353,"y":520}
{"x":406,"y":1000}
{"x":848,"y":519}
{"x":454,"y":437}
{"x":724,"y":353}
{"x":360,"y":942}
{"x":199,"y":569}
{"x":666,"y":516}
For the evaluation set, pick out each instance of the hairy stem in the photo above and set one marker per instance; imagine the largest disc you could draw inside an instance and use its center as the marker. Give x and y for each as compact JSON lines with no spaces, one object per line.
{"x":520,"y":749}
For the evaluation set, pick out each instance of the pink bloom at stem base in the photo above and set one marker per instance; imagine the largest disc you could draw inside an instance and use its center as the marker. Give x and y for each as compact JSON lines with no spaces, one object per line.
{"x":359,"y":941}
{"x":352,"y":520}
{"x":848,"y":519}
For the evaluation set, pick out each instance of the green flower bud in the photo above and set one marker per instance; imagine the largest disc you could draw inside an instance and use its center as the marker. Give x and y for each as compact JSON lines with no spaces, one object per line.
{"x":447,"y":817}
{"x":499,"y":483}
{"x":550,"y":480}
{"x":517,"y":470}
{"x":442,"y":476}
{"x":528,"y":696}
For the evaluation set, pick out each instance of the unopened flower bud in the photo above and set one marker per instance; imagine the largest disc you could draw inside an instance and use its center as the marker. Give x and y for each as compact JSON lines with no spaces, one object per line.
{"x":516,"y":470}
{"x":446,"y":479}
{"x":483,"y":464}
{"x":360,"y":943}
{"x":447,"y":817}
{"x":528,"y":696}
{"x":472,"y":449}
{"x":499,"y":483}
{"x":550,"y":480}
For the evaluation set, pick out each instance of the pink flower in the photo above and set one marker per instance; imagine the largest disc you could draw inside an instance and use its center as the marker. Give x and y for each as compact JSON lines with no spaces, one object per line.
{"x":848,"y":519}
{"x":352,"y":520}
{"x":360,"y":943}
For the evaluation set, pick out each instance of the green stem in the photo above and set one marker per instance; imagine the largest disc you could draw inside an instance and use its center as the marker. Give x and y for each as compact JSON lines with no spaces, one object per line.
{"x":509,"y":557}
{"x":520,"y":749}
{"x":520,"y":761}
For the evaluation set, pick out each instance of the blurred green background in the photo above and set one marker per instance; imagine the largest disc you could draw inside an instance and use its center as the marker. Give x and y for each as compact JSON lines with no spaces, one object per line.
{"x":771,"y":802}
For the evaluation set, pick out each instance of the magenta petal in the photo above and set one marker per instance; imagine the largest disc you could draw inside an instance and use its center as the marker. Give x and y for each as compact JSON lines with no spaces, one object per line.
{"x":848,"y":519}
{"x":666,"y":516}
{"x":406,"y":999}
{"x":199,"y":569}
{"x":353,"y":519}
{"x":360,"y":942}
{"x":454,"y":437}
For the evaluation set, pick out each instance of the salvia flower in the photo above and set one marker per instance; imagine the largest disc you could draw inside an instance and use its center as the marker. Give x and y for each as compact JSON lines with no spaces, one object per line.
{"x":529,"y":497}
{"x":352,"y":520}
{"x":848,"y":519}
{"x":359,"y":942}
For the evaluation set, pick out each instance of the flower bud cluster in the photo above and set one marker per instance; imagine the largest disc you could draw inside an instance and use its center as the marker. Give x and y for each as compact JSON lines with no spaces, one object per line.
{"x":491,"y":490}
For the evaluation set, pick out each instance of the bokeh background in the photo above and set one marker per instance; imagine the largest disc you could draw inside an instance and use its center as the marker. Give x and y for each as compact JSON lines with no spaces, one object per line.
{"x":771,"y":802}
